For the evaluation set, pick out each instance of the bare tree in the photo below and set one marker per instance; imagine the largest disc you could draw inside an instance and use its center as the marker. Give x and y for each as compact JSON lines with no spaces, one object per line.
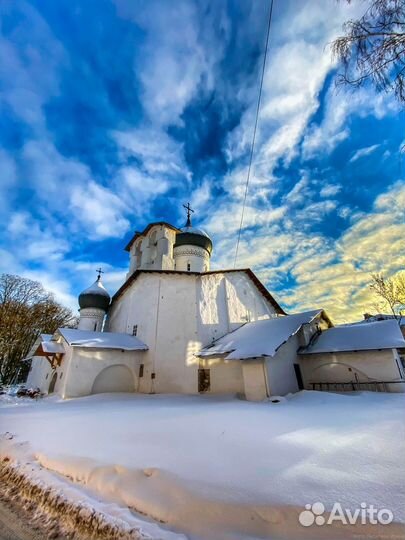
{"x":390,"y":293}
{"x":26,"y":310}
{"x":373,"y":48}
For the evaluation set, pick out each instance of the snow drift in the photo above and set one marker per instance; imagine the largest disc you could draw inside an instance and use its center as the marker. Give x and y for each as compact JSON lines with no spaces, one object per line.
{"x":218,"y":468}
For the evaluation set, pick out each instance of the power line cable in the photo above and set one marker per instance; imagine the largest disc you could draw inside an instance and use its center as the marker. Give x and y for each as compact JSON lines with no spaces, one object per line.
{"x":254,"y":131}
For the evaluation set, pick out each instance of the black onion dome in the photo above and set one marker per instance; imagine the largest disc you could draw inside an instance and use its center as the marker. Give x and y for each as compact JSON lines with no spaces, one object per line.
{"x":195,"y":237}
{"x":95,"y":296}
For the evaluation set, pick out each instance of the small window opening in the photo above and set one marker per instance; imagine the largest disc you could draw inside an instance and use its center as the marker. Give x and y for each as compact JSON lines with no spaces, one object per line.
{"x":61,"y":373}
{"x":95,"y":326}
{"x":153,"y":375}
{"x":141,"y":371}
{"x":188,"y":267}
{"x":204,"y":380}
{"x":134,"y":329}
{"x":298,"y":376}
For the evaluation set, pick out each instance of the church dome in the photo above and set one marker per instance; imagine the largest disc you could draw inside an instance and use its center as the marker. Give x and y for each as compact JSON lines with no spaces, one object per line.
{"x":95,"y":296}
{"x":189,"y":235}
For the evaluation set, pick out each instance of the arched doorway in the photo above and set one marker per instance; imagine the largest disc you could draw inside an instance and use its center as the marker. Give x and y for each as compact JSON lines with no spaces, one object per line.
{"x":114,"y":379}
{"x":51,"y":388}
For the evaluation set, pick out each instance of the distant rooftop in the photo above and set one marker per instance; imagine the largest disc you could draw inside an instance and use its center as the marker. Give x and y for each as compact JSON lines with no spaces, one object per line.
{"x":358,"y":337}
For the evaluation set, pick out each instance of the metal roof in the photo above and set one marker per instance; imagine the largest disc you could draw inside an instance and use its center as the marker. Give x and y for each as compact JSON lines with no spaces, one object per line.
{"x":102,"y":340}
{"x":259,"y":338}
{"x":358,"y":337}
{"x":95,"y":296}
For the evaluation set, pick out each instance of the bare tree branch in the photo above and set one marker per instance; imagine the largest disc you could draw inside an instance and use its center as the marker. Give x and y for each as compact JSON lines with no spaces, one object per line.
{"x":373,"y":48}
{"x":26,"y":310}
{"x":389,"y":292}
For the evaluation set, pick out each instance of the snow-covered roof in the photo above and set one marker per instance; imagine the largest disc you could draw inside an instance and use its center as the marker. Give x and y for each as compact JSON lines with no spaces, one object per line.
{"x":381,"y":317}
{"x":102,"y":340}
{"x":41,"y":338}
{"x":358,"y":337}
{"x":52,"y":347}
{"x":259,"y":338}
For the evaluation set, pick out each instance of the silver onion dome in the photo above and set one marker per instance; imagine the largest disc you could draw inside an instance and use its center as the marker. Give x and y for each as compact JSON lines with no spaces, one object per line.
{"x":95,"y":296}
{"x":193,"y":236}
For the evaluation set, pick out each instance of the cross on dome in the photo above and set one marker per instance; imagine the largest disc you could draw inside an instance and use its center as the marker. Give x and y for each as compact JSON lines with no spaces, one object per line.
{"x":99,"y":272}
{"x":189,"y":210}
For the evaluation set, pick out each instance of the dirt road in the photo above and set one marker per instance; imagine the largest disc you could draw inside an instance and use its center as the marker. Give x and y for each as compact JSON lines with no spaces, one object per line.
{"x":14,"y":524}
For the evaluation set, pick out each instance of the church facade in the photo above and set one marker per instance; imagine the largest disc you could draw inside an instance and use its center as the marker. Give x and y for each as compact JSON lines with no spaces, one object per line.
{"x":175,"y":326}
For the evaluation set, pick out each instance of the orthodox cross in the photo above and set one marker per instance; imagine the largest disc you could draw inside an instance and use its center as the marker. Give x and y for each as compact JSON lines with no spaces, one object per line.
{"x":189,"y":211}
{"x":99,"y":272}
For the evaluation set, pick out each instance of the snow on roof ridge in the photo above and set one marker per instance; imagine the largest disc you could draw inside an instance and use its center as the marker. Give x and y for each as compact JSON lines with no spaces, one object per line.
{"x":102,"y":340}
{"x":259,"y":338}
{"x":358,"y":337}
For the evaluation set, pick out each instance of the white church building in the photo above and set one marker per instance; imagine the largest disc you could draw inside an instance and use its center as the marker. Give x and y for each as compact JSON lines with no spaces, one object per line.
{"x":175,"y":326}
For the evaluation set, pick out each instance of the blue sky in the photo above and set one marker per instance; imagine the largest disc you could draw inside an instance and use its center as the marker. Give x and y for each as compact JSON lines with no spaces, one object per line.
{"x":115,"y":113}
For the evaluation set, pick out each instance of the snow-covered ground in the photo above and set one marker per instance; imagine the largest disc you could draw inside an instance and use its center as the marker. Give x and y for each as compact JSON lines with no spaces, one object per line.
{"x":217,"y":467}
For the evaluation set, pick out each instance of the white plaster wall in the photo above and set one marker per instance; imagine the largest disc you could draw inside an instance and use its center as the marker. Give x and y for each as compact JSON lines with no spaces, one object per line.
{"x":91,"y":319}
{"x":177,"y":342}
{"x":254,"y":378}
{"x":178,"y":314}
{"x":115,"y":378}
{"x":37,"y":377}
{"x":85,"y":364}
{"x":225,"y":375}
{"x":195,"y":256}
{"x":280,"y":368}
{"x":41,"y":371}
{"x":344,"y":366}
{"x":154,"y":251}
{"x":139,"y":306}
{"x":226,"y":301}
{"x":213,"y":318}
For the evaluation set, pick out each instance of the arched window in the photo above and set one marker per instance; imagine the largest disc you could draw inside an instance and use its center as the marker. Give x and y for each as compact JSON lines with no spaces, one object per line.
{"x":153,"y":246}
{"x":138,"y":255}
{"x":188,"y":266}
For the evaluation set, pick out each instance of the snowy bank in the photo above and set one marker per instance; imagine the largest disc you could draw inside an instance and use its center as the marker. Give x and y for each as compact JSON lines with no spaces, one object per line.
{"x":219,"y":468}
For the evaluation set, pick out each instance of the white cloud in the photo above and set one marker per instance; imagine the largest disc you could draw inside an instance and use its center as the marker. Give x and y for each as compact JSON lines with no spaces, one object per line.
{"x":344,"y":212}
{"x":335,"y":275}
{"x":330,"y":190}
{"x":362,"y":152}
{"x":8,"y":178}
{"x":35,"y":241}
{"x":28,"y":71}
{"x":298,"y":62}
{"x":158,"y":153}
{"x":170,"y":63}
{"x":99,"y":208}
{"x":334,"y":126}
